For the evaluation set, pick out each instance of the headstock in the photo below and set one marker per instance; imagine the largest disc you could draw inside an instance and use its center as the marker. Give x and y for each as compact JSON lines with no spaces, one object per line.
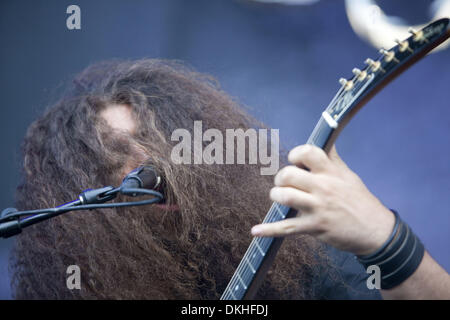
{"x":354,"y":92}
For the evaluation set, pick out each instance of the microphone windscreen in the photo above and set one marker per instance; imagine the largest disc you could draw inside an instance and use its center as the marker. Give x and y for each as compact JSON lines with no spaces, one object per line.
{"x":144,"y":177}
{"x":149,"y":178}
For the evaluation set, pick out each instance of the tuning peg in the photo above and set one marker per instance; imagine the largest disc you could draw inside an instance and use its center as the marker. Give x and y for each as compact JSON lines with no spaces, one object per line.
{"x":360,"y":75}
{"x":347,"y":84}
{"x":418,"y":35}
{"x":403,"y":46}
{"x":374,"y":65}
{"x":388,"y":55}
{"x":343,"y":81}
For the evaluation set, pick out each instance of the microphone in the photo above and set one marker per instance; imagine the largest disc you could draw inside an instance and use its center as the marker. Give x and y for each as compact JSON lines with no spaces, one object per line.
{"x":144,"y":177}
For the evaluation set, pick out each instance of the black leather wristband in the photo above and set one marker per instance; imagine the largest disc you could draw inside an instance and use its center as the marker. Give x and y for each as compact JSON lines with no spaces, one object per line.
{"x":399,"y":256}
{"x":404,"y":263}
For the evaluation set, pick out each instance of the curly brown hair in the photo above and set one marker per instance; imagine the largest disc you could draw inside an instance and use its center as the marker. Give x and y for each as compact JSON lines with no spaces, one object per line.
{"x":144,"y":252}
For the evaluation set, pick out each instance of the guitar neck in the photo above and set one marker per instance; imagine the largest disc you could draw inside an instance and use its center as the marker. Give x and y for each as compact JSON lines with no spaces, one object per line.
{"x":260,"y":254}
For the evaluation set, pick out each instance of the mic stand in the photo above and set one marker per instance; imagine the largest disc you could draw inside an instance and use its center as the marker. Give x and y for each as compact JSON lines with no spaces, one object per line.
{"x":11,"y":225}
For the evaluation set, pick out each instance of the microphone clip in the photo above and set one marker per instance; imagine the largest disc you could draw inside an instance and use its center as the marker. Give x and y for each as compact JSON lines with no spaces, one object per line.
{"x":101,"y":195}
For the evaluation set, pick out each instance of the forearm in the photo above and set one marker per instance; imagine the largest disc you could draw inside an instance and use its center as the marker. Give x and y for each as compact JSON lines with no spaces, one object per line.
{"x":429,"y":281}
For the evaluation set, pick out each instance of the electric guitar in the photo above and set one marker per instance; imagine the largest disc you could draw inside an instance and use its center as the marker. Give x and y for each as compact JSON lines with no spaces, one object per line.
{"x":350,"y":98}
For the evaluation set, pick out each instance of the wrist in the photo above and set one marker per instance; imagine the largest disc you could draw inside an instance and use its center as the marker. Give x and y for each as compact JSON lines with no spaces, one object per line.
{"x":398,"y":257}
{"x":382,"y":228}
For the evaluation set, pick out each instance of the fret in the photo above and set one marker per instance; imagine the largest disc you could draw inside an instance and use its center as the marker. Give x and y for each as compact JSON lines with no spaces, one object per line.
{"x":276,"y":210}
{"x":250,"y":265}
{"x":236,"y":291}
{"x":265,"y":243}
{"x":282,"y":215}
{"x":246,"y":274}
{"x":259,"y":248}
{"x":232,"y":294}
{"x":242,"y":281}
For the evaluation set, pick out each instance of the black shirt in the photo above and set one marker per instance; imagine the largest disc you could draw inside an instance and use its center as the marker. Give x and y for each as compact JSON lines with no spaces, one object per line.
{"x":345,"y":279}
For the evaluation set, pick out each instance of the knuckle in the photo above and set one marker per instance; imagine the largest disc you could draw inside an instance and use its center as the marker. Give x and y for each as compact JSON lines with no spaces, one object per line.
{"x":325,"y":188}
{"x":294,"y":154}
{"x":299,"y":152}
{"x":309,"y":148}
{"x":320,"y":223}
{"x":314,"y":205}
{"x":322,"y":220}
{"x":289,"y":199}
{"x":281,"y":177}
{"x":285,"y":175}
{"x":288,"y":229}
{"x":306,"y":151}
{"x":275,"y":194}
{"x":314,"y":152}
